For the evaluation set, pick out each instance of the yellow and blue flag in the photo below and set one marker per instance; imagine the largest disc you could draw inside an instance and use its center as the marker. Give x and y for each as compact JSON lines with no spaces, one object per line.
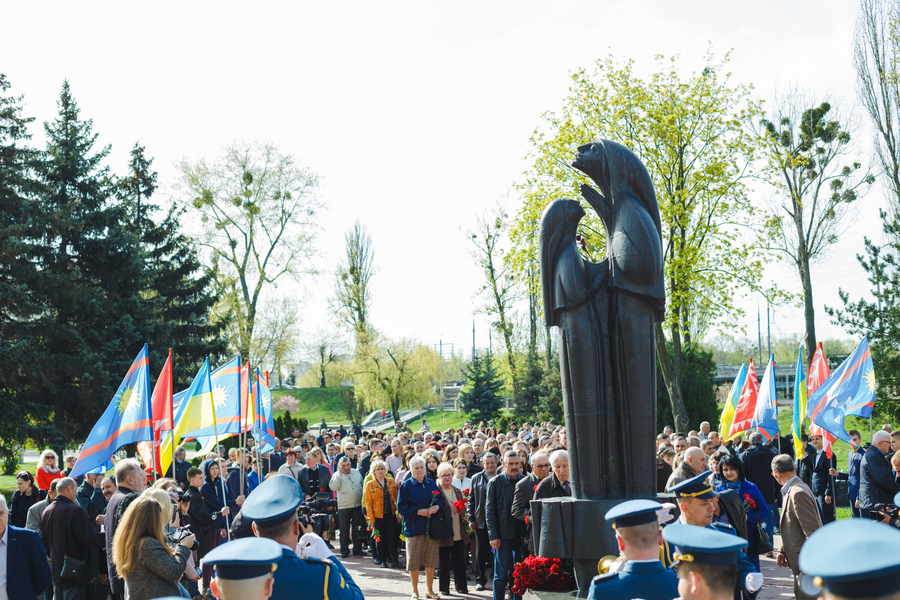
{"x":765,"y":417}
{"x":194,"y":411}
{"x":849,"y":390}
{"x":126,"y":420}
{"x":799,"y":407}
{"x":732,"y":402}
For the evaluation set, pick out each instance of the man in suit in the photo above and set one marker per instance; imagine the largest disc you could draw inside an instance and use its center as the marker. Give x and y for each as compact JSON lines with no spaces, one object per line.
{"x":26,"y":572}
{"x":33,"y":522}
{"x":877,"y":481}
{"x":822,"y":483}
{"x":642,"y":574}
{"x":799,"y":517}
{"x":181,"y":466}
{"x":557,"y":485}
{"x":69,"y":534}
{"x":854,"y":461}
{"x":314,"y":477}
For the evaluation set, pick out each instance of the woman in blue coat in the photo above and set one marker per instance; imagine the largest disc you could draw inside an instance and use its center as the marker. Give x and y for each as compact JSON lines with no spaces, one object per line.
{"x":731,"y":474}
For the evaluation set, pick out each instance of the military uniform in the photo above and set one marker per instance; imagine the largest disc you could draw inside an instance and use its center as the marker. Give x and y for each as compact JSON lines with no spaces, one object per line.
{"x":242,"y":560}
{"x":699,"y":487}
{"x":852,"y":558}
{"x":650,"y":579}
{"x":691,"y":545}
{"x":275,"y":501}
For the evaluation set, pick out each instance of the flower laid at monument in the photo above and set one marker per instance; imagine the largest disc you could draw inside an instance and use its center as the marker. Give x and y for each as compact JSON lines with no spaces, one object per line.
{"x":539,"y":573}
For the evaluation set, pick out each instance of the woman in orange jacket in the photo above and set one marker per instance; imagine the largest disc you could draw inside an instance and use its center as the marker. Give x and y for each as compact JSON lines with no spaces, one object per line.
{"x":381,"y":512}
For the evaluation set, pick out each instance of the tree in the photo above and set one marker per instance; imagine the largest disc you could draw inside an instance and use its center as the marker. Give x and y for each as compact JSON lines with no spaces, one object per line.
{"x":175,"y":284}
{"x":275,"y":341}
{"x":879,"y":318}
{"x":352,"y":295}
{"x":258,"y":210}
{"x":481,"y":394}
{"x":697,"y":388}
{"x":486,"y":238}
{"x":325,"y":348}
{"x":807,"y":158}
{"x":691,"y":135}
{"x":876,"y":58}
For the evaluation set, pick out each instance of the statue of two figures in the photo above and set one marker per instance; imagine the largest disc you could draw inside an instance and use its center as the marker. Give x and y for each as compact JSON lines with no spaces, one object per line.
{"x":606,"y":314}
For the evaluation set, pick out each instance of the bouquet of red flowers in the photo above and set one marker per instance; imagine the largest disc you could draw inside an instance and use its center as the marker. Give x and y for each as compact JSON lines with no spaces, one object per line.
{"x":459,"y":505}
{"x":749,"y":503}
{"x":539,"y":573}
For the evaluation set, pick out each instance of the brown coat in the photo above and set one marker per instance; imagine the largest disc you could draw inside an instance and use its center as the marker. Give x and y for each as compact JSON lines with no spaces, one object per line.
{"x":450,"y":511}
{"x":375,"y":499}
{"x":799,"y":518}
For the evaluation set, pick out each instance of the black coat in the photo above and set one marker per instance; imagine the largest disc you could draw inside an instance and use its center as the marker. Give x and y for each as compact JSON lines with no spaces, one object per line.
{"x":91,"y":500}
{"x":734,"y":508}
{"x":324,"y":479}
{"x":758,"y":469}
{"x":822,"y":482}
{"x":181,"y":469}
{"x":67,"y":531}
{"x":501,"y":525}
{"x":477,"y":497}
{"x":18,"y":510}
{"x":877,"y":482}
{"x":521,"y":506}
{"x":806,"y":465}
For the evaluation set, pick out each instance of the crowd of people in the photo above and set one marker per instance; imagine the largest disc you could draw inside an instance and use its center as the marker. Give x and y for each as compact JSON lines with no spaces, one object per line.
{"x":455,"y":504}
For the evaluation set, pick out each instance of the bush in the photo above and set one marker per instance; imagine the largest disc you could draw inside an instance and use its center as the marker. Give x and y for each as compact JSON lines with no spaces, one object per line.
{"x":11,"y":457}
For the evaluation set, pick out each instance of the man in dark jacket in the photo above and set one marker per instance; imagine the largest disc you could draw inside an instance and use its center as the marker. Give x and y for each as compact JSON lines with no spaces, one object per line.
{"x":504,"y":532}
{"x":68,"y":533}
{"x":525,"y":489}
{"x":181,"y":466}
{"x":200,"y":517}
{"x":314,"y":477}
{"x":130,"y":480}
{"x":26,"y":572}
{"x":822,"y":483}
{"x":475,"y":510}
{"x":376,"y":448}
{"x":757,"y":461}
{"x":877,"y":482}
{"x":557,"y":485}
{"x":806,"y":464}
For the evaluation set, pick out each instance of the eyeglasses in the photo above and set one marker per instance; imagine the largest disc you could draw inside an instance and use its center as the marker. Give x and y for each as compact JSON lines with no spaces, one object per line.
{"x":541,"y":466}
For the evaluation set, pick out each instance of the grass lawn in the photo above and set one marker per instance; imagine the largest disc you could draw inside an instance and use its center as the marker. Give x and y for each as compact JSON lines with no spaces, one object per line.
{"x":312,"y":404}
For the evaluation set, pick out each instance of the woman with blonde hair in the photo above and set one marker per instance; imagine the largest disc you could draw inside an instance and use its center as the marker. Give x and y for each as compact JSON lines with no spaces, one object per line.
{"x":381,"y":498}
{"x":150,"y":568}
{"x":47,"y":469}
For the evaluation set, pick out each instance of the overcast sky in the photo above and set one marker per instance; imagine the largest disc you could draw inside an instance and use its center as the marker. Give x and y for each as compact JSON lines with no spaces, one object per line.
{"x":416,"y":115}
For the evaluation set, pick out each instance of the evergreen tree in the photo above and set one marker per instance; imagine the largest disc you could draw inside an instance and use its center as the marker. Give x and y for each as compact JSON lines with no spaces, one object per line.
{"x":92,"y":321}
{"x":178,"y":289}
{"x":18,"y":190}
{"x":481,"y":395}
{"x":527,"y":398}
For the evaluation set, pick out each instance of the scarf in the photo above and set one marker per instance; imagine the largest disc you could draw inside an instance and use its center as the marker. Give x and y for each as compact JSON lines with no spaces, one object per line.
{"x":736,"y":486}
{"x":50,"y":470}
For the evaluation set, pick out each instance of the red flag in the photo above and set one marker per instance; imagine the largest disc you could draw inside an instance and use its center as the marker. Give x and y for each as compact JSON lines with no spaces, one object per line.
{"x":746,"y":407}
{"x":818,"y":373}
{"x":161,"y":409}
{"x":247,"y":415}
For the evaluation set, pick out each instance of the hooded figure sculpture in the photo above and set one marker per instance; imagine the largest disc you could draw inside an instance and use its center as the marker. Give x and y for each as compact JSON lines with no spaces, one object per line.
{"x":606,"y":313}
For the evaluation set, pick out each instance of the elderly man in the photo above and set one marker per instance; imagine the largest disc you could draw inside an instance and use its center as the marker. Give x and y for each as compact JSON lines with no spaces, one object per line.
{"x":475,"y":511}
{"x":525,"y":492}
{"x":348,"y":483}
{"x":877,"y":482}
{"x":33,"y":522}
{"x":69,"y":534}
{"x":130,"y":480}
{"x":693,"y":463}
{"x":24,"y":572}
{"x":704,"y":430}
{"x":504,"y":533}
{"x":557,"y":485}
{"x":799,"y":518}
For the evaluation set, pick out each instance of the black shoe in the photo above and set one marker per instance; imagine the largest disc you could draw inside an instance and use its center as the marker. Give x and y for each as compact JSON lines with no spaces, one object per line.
{"x":345,"y":554}
{"x":396,"y":566}
{"x":462,"y":591}
{"x":479,"y":587}
{"x":384,"y":565}
{"x":358,"y":553}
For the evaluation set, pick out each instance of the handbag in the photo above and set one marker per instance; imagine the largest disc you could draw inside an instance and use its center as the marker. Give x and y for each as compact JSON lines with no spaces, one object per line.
{"x":763,"y":543}
{"x":440,"y":527}
{"x":72,"y":569}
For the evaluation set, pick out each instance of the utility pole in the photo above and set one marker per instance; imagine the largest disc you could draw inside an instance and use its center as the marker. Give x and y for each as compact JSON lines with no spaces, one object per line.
{"x":759,"y":332}
{"x":769,"y":326}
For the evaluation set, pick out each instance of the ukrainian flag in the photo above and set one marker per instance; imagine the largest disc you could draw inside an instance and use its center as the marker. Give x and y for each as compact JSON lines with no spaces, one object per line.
{"x":195,"y":412}
{"x":732,"y":402}
{"x":799,"y":407}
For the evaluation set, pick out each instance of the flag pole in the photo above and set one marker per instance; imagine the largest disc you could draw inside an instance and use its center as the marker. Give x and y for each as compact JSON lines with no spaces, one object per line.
{"x":257,"y":403}
{"x":212,"y":405}
{"x":171,"y":410}
{"x":241,"y":432}
{"x":152,"y":428}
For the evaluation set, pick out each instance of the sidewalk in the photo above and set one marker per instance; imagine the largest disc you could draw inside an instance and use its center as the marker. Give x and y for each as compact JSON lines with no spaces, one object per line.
{"x":376,"y":582}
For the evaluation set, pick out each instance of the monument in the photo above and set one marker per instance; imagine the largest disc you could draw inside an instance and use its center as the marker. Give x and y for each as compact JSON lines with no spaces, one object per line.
{"x":606,"y":315}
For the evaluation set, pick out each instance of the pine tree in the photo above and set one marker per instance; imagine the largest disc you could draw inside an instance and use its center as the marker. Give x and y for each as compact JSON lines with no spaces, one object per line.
{"x":481,"y":396}
{"x":92,"y":322}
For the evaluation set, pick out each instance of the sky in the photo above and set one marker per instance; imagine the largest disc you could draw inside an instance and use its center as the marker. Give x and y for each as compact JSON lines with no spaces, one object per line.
{"x":415,"y":115}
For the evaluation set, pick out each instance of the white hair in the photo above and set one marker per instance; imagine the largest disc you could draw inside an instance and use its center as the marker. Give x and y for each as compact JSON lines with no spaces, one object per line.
{"x":128,"y":468}
{"x":415,"y":461}
{"x":444,"y":468}
{"x":559,"y":455}
{"x":881,"y":436}
{"x":3,"y":507}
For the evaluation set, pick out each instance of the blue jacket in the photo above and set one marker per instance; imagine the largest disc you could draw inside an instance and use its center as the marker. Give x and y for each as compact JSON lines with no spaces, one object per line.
{"x":647,"y":580}
{"x":854,"y":461}
{"x":414,"y":496}
{"x":216,"y":498}
{"x":877,"y":482}
{"x":26,"y":555}
{"x":301,"y":579}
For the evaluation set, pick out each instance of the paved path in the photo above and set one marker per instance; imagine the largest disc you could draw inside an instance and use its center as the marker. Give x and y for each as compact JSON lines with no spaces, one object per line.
{"x":376,"y":582}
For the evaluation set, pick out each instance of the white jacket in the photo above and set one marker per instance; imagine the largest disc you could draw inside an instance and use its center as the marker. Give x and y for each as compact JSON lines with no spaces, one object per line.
{"x":349,"y":488}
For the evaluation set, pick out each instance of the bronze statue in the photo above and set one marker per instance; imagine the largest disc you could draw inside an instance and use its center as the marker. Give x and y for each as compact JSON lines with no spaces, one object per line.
{"x":606,"y":314}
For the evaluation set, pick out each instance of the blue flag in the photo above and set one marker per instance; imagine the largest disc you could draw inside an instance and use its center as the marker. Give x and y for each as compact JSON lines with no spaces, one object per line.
{"x":226,"y":393}
{"x":849,"y":390}
{"x":765,"y":418}
{"x":126,"y":420}
{"x":264,"y":428}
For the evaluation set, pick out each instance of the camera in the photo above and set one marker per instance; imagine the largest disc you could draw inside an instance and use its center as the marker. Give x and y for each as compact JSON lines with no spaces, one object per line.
{"x":317,"y":512}
{"x":182,"y":497}
{"x":181,"y":533}
{"x":879,"y":510}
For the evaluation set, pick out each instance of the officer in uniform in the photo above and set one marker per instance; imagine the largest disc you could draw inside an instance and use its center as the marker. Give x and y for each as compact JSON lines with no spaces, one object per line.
{"x":316,"y":574}
{"x":643,"y":574}
{"x":244,"y":568}
{"x":852,"y":558}
{"x":695,"y":499}
{"x":706,"y":560}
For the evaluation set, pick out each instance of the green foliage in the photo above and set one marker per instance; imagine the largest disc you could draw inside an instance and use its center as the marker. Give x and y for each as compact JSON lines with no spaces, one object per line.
{"x":551,"y":405}
{"x":10,"y":460}
{"x":503,"y":423}
{"x":697,"y":388}
{"x":481,"y":394}
{"x":527,"y":398}
{"x":879,"y":318}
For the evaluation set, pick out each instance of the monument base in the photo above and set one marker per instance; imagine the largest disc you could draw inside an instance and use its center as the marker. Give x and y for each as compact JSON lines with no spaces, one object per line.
{"x":542,"y":595}
{"x":575,"y":529}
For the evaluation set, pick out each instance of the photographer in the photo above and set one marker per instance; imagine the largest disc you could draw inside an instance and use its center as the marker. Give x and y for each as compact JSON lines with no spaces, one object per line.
{"x":142,"y":555}
{"x":348,"y":483}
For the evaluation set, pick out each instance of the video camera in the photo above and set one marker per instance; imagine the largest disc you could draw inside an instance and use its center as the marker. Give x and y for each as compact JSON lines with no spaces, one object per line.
{"x":879,"y":510}
{"x":317,"y":512}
